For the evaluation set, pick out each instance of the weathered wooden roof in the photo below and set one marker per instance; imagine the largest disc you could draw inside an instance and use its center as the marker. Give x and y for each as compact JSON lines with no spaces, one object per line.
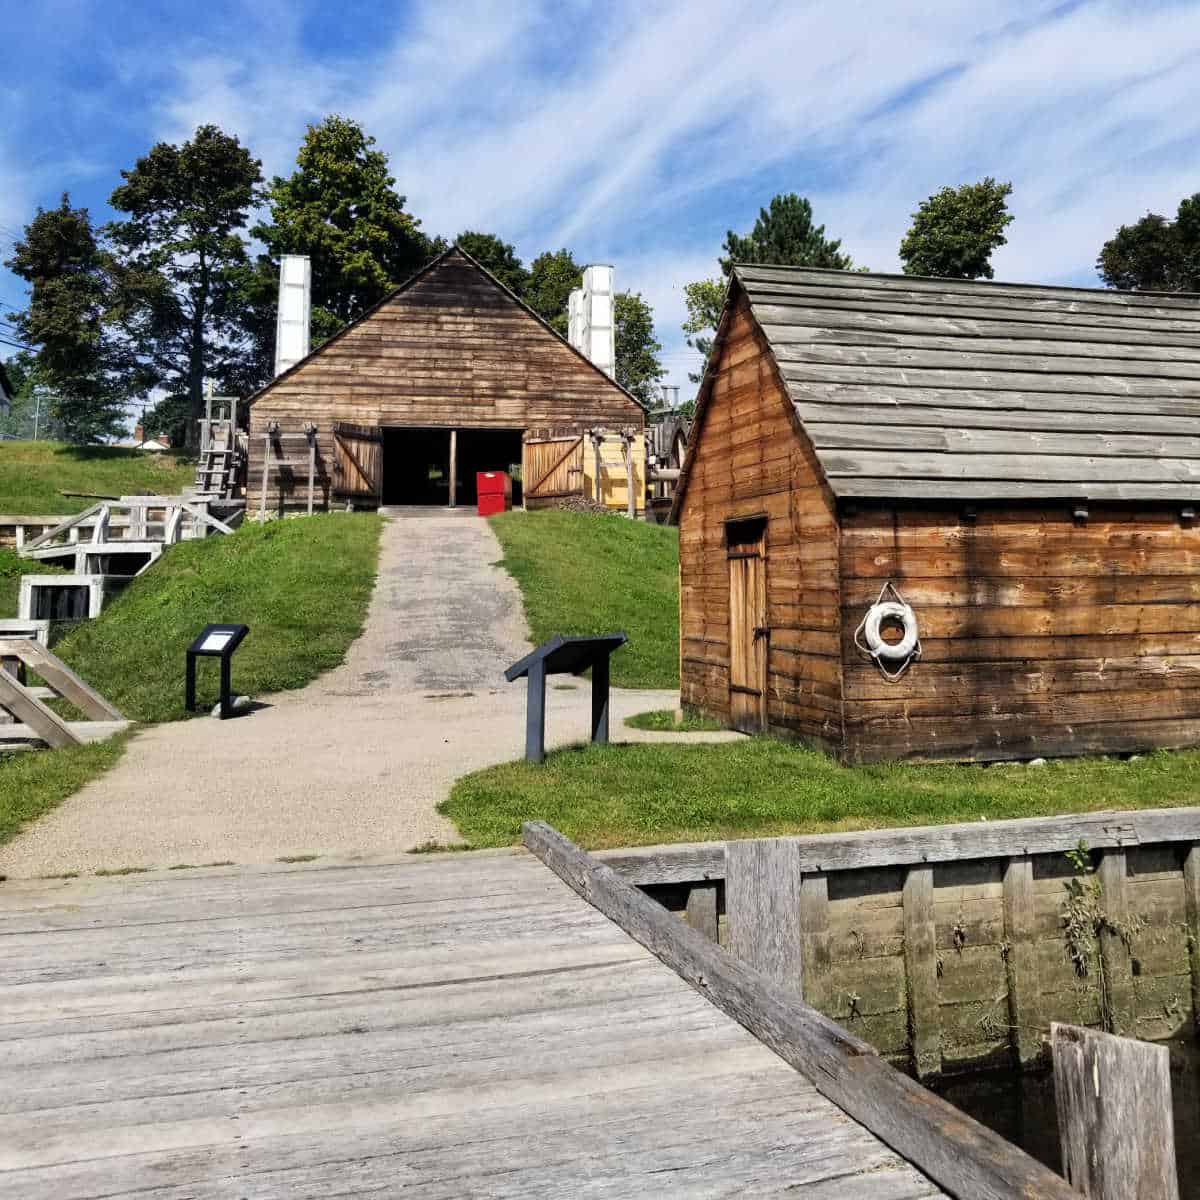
{"x":941,"y":388}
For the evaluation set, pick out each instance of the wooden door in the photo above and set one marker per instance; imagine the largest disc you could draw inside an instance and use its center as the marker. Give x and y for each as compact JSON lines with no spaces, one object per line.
{"x":748,"y":632}
{"x":552,"y":468}
{"x":357,"y":461}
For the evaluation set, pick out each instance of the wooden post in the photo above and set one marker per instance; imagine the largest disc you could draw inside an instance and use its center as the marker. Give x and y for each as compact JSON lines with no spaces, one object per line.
{"x":702,"y":910}
{"x":814,"y":938}
{"x":1118,"y":971}
{"x":1113,"y":1097}
{"x":920,"y":969}
{"x":266,"y":468}
{"x":762,"y":905}
{"x":600,"y":692}
{"x":535,"y":713}
{"x":312,"y":465}
{"x":597,"y":442}
{"x":1191,"y":893}
{"x":454,"y":468}
{"x":627,"y":449}
{"x":1020,"y":962}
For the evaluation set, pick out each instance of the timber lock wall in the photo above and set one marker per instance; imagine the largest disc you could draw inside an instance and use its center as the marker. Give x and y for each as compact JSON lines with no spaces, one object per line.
{"x":952,"y":947}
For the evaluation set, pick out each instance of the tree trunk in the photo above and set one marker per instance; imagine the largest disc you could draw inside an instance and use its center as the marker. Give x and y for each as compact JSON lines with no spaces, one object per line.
{"x":195,"y":376}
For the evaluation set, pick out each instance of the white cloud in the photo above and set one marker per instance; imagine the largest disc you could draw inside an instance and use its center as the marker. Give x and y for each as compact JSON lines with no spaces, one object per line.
{"x":639,"y":133}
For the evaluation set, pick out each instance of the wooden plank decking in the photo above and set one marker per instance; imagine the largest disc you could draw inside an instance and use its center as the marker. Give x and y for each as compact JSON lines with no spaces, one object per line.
{"x":459,"y":1025}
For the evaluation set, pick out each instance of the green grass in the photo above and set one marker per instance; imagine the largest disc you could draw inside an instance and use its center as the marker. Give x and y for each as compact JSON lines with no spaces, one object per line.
{"x":33,"y":475}
{"x":592,"y":573}
{"x":12,"y":567}
{"x":662,"y":720}
{"x":34,"y":781}
{"x":301,"y":585}
{"x":644,"y":794}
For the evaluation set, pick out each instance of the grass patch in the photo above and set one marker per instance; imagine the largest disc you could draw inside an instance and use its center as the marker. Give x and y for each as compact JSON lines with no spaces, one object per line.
{"x":643,"y":794}
{"x":593,"y":573}
{"x":662,"y":720}
{"x":33,"y":475}
{"x":33,"y":781}
{"x":12,"y":567}
{"x":301,"y":585}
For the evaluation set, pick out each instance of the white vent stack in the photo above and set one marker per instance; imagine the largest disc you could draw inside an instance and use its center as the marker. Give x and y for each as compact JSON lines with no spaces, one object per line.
{"x":295,"y":311}
{"x":591,"y":320}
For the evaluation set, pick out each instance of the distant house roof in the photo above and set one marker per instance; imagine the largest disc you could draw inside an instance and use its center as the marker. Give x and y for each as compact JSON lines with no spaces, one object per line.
{"x":946,"y":388}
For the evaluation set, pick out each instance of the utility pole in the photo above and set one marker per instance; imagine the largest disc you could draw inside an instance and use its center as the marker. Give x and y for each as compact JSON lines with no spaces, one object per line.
{"x":37,"y":410}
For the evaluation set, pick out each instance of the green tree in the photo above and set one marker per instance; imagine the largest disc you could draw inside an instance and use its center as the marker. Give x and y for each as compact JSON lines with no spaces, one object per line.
{"x":785,"y":234}
{"x":637,"y":349}
{"x":1155,"y":254}
{"x":183,"y":259}
{"x":68,"y":322}
{"x":955,"y":231}
{"x":341,"y":208}
{"x":553,"y":276}
{"x":495,"y":256}
{"x":23,"y":418}
{"x":705,"y":299}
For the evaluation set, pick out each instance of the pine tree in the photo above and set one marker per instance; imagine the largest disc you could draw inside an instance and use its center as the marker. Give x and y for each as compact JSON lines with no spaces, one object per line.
{"x":785,"y":234}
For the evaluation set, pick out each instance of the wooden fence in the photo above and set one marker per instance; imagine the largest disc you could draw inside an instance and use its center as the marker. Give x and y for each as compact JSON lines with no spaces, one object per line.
{"x":958,"y":945}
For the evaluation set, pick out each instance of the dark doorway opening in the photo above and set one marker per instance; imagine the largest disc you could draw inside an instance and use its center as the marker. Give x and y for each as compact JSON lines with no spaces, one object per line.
{"x":416,"y":463}
{"x":488,"y":450}
{"x":416,"y":466}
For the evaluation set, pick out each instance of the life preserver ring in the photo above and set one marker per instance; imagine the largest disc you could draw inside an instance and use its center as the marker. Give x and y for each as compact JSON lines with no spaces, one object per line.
{"x":890,"y":610}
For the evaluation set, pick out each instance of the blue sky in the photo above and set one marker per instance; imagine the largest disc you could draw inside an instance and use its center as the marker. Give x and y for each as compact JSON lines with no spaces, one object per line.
{"x":637,"y":133}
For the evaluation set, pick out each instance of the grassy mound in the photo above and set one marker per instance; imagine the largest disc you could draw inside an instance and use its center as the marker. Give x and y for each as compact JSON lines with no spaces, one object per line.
{"x":302,"y":586}
{"x":759,"y":787}
{"x":34,"y":474}
{"x":591,"y":573}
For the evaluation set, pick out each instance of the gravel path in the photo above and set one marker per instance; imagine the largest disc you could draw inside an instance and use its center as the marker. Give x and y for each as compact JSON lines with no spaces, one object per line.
{"x":355,"y":762}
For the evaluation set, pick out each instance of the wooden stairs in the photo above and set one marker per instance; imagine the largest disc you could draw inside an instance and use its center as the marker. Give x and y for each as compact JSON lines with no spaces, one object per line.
{"x":27,"y":722}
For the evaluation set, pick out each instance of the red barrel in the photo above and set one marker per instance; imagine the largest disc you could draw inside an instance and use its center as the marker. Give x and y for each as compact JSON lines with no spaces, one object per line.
{"x":493,"y":490}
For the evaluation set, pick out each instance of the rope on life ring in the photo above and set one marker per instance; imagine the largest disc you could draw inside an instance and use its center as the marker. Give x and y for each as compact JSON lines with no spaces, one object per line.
{"x":870,"y":640}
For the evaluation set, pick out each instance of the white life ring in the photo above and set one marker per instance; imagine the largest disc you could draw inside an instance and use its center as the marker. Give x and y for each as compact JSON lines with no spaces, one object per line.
{"x":891,"y":610}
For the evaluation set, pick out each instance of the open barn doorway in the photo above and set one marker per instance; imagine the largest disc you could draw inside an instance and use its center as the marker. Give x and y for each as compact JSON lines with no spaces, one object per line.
{"x":418,"y":464}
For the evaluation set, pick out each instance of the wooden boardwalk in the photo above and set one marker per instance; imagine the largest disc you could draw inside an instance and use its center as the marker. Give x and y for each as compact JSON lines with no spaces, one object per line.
{"x":458,"y":1025}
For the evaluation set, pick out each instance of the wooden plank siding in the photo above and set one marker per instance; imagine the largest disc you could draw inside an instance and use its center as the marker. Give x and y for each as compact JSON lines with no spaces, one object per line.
{"x":450,"y":349}
{"x":1040,"y":635}
{"x":747,"y":463}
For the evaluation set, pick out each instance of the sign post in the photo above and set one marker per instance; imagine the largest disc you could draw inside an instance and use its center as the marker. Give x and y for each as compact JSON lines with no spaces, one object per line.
{"x":214,"y":641}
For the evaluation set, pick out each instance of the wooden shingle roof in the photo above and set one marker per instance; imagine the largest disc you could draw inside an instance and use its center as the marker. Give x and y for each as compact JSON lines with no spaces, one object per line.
{"x":950,"y":389}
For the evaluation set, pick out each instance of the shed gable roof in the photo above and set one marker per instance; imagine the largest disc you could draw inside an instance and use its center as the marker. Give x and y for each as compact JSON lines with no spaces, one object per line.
{"x":451,"y":252}
{"x":933,"y":388}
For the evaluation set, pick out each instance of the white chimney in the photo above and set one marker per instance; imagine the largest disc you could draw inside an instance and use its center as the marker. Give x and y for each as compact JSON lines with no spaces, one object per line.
{"x":591,"y":320}
{"x":295,"y":310}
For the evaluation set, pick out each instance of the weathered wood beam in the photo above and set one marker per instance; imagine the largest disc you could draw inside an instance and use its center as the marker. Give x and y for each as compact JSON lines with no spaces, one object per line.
{"x":1020,"y":961}
{"x":1113,"y":1097}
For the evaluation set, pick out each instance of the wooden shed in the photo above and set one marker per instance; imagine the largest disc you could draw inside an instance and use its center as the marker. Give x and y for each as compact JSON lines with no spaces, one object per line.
{"x":449,"y":375}
{"x":1018,"y":465}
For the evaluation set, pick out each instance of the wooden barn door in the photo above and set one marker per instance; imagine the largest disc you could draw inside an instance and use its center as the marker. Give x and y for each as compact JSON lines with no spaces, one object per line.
{"x":552,"y":468}
{"x":748,"y":633}
{"x":357,"y":461}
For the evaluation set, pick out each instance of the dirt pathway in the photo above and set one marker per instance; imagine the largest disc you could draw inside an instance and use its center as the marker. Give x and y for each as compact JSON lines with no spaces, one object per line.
{"x":355,"y":762}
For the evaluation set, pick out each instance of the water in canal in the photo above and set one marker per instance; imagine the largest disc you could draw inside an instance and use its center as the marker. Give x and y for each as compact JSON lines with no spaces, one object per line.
{"x":1020,"y":1107}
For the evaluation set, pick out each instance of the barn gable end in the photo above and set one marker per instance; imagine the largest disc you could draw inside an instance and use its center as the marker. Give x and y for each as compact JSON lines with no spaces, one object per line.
{"x":450,"y":349}
{"x":747,"y":463}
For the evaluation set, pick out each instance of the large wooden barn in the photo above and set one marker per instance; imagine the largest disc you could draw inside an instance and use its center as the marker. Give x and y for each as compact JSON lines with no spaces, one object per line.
{"x":1003,"y":478}
{"x":449,"y":375}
